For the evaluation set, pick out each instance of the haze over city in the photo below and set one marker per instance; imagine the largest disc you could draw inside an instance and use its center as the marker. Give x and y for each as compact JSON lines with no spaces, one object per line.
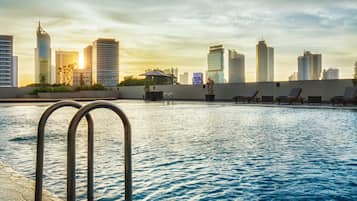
{"x":164,"y":34}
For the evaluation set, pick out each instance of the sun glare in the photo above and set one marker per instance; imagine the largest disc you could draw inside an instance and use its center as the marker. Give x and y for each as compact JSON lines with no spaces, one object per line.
{"x":81,"y":61}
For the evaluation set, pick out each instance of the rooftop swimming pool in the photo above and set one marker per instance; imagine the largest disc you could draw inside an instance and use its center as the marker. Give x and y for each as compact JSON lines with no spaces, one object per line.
{"x":195,"y":151}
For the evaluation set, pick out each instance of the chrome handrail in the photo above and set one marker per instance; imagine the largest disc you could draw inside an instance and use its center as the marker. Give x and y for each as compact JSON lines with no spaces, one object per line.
{"x":71,"y":152}
{"x":40,"y":147}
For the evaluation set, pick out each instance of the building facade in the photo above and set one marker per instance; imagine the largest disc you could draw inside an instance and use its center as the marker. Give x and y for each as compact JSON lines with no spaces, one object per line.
{"x":7,"y":65}
{"x":264,"y":62}
{"x":66,"y":62}
{"x":82,"y":77}
{"x":293,"y":77}
{"x":15,"y":71}
{"x":309,"y":66}
{"x":331,"y":74}
{"x":184,"y":78}
{"x":197,"y":78}
{"x":105,"y":62}
{"x":236,"y":67}
{"x":43,"y":57}
{"x":215,"y":62}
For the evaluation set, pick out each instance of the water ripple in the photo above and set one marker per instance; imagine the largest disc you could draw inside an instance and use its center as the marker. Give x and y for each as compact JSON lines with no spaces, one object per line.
{"x":197,"y":151}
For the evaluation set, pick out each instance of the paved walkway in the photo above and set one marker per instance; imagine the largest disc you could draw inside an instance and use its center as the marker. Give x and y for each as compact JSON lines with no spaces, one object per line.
{"x":39,"y":100}
{"x":15,"y":187}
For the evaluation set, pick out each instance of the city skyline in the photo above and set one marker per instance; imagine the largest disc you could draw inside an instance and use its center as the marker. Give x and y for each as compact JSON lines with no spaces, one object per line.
{"x":177,"y":34}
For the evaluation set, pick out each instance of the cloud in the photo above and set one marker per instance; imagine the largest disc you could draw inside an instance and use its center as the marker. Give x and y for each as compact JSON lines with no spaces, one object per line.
{"x":178,"y":32}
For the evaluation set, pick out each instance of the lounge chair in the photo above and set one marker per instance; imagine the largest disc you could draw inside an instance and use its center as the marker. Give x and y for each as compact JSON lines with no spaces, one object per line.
{"x":350,"y":96}
{"x":249,"y":97}
{"x":294,"y":96}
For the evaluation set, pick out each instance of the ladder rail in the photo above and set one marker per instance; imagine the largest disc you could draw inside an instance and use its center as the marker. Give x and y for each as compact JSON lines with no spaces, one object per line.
{"x":71,"y":152}
{"x":40,"y":147}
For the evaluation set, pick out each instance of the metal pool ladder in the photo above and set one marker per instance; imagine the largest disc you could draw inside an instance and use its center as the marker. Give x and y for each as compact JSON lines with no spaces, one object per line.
{"x":71,"y":152}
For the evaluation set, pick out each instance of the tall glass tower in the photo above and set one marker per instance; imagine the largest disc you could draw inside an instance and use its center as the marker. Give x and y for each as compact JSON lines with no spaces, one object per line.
{"x":105,"y":63}
{"x":215,"y":61}
{"x":43,"y":57}
{"x":265,"y":62}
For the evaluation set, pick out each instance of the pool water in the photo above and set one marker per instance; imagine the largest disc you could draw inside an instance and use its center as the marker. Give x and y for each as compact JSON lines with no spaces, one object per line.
{"x":196,"y":151}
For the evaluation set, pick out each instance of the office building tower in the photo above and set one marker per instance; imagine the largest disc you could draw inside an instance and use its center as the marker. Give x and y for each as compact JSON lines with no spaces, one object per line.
{"x":15,"y":71}
{"x":331,"y":74}
{"x":236,"y":67}
{"x":43,"y":57}
{"x":293,"y":77}
{"x":88,"y":57}
{"x":197,"y":78}
{"x":8,"y":69}
{"x":184,"y":78}
{"x":309,"y":66}
{"x":105,"y":62}
{"x":264,"y":62}
{"x":82,"y":77}
{"x":66,"y":62}
{"x":215,"y":61}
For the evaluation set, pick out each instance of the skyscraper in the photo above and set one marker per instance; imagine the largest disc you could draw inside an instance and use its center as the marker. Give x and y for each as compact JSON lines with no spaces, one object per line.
{"x":105,"y":63}
{"x":184,"y":78}
{"x":43,"y":56}
{"x":215,"y":61}
{"x":309,"y":66}
{"x":7,"y":67}
{"x":265,"y":62}
{"x":331,"y":74}
{"x":197,"y":78}
{"x":83,"y":76}
{"x":15,"y":71}
{"x":66,"y":62}
{"x":293,"y":77}
{"x":236,"y":67}
{"x":88,"y":59}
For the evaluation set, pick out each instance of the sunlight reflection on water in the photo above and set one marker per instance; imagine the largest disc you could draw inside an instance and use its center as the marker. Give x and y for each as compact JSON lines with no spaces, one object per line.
{"x":196,"y":151}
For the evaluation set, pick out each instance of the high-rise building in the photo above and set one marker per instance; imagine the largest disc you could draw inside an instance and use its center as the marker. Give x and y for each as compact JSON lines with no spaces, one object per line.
{"x":8,"y":63}
{"x":197,"y":78}
{"x":309,"y":66}
{"x":355,"y":75}
{"x":331,"y":74}
{"x":215,"y":61}
{"x":15,"y":71}
{"x":66,"y":62}
{"x":265,"y":62}
{"x":184,"y":78}
{"x":82,"y":77}
{"x":105,"y":63}
{"x":236,"y":67}
{"x":43,"y":56}
{"x":88,"y":59}
{"x":293,"y":77}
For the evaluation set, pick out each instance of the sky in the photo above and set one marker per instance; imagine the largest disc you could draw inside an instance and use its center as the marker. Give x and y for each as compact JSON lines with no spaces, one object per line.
{"x":177,"y":33}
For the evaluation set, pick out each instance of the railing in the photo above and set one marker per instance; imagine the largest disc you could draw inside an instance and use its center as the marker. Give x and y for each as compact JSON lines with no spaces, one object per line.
{"x":71,"y":166}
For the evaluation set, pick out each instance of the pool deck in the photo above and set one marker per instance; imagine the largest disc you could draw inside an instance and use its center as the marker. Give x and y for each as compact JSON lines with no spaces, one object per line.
{"x":303,"y":106}
{"x":283,"y":105}
{"x":16,"y":187}
{"x":41,"y":100}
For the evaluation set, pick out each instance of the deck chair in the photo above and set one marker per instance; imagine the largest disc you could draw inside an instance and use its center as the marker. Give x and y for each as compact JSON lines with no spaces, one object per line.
{"x":350,"y":96}
{"x":249,"y":97}
{"x":294,"y":96}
